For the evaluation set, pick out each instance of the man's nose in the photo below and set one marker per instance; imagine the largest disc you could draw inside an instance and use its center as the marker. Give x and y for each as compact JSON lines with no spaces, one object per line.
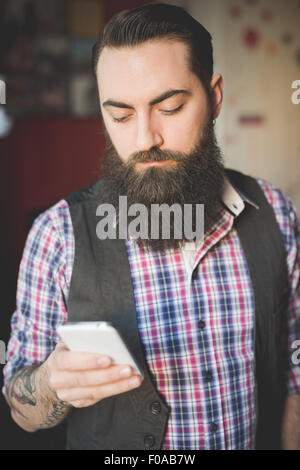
{"x":148,"y":135}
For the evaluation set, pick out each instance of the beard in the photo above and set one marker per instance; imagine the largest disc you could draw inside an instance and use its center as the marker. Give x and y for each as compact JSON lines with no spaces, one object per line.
{"x":196,"y":178}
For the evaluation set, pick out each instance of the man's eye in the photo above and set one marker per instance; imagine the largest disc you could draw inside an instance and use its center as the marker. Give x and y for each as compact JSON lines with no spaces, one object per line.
{"x":168,"y":112}
{"x":122,"y":119}
{"x":172,"y":111}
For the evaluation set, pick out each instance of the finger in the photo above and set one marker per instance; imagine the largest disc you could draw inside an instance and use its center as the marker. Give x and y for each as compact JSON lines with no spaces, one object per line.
{"x":88,"y":396}
{"x":89,"y":378}
{"x":115,"y":388}
{"x":71,"y":360}
{"x":81,"y":403}
{"x":61,"y":345}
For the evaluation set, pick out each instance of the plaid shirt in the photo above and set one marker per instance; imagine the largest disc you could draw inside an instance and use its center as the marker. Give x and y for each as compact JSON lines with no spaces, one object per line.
{"x":195,"y":316}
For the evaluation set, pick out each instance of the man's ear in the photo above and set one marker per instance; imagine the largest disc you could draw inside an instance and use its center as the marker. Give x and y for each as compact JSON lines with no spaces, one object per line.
{"x":216,"y":90}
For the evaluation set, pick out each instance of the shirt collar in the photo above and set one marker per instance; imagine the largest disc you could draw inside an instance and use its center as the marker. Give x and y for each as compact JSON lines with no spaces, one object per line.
{"x":234,"y":199}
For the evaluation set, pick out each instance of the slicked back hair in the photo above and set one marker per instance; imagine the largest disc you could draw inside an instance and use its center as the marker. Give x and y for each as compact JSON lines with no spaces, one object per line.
{"x":132,"y":27}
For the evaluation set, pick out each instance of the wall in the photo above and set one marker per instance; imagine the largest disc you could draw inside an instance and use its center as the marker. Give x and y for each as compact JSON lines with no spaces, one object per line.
{"x":258,"y":128}
{"x":46,"y":159}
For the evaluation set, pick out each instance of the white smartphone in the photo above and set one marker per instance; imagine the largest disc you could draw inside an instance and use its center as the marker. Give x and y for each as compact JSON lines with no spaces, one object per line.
{"x":98,"y":337}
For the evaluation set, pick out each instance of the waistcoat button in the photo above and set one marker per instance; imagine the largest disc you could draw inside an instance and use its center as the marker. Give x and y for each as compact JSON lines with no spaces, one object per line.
{"x":155,"y":408}
{"x":149,"y":441}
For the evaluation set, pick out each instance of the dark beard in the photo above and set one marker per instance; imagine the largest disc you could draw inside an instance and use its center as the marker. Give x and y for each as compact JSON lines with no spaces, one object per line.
{"x":197,"y":178}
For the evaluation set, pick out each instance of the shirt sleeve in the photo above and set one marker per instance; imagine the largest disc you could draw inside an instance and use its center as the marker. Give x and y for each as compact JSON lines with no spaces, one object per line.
{"x":294,"y":306}
{"x":41,"y":292}
{"x":289,"y":224}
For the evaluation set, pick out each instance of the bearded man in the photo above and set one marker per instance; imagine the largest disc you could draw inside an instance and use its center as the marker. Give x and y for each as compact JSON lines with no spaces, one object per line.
{"x":211,"y":323}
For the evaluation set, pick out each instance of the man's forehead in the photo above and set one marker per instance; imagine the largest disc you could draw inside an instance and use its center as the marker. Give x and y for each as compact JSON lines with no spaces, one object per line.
{"x":144,"y":70}
{"x":149,"y":50}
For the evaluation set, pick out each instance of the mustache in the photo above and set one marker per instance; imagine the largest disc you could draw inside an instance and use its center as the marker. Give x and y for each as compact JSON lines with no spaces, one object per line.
{"x":154,"y":155}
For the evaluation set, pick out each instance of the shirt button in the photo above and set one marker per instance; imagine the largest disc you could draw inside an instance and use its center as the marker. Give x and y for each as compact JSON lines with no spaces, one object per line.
{"x":208,"y":376}
{"x":213,"y":427}
{"x":201,"y":324}
{"x":155,"y":408}
{"x":149,"y":441}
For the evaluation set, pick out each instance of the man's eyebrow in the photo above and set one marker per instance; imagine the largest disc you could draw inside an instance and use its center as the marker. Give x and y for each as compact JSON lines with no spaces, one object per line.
{"x":159,"y":99}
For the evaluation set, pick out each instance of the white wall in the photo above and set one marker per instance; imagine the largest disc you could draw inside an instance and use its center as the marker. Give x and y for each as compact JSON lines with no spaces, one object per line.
{"x":257,"y":82}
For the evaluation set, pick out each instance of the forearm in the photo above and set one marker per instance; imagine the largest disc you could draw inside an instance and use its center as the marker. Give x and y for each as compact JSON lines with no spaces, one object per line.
{"x":32,"y":402}
{"x":291,"y":423}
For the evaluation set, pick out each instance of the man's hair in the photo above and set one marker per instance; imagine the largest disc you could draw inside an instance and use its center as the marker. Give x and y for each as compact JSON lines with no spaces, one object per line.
{"x":155,"y":21}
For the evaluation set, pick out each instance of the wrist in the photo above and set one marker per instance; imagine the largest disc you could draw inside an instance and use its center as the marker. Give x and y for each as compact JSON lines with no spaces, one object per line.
{"x":43,"y":383}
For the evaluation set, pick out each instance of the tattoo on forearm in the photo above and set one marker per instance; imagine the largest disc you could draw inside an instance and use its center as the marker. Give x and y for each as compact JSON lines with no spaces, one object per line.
{"x":22,"y":386}
{"x":59,"y":411}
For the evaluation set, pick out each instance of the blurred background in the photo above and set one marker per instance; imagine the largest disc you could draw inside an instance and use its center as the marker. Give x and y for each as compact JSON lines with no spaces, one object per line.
{"x":51,"y":140}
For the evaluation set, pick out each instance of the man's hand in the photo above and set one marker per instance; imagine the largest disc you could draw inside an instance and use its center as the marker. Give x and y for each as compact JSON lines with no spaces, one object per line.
{"x":83,"y":379}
